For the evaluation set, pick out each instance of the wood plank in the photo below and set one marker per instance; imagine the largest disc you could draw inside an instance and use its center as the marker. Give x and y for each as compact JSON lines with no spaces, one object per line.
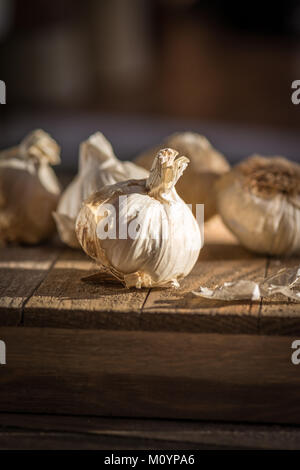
{"x":21,"y":271}
{"x":279,"y":316}
{"x":150,"y":374}
{"x":33,"y":293}
{"x":221,"y":259}
{"x":19,"y":440}
{"x":64,"y":299}
{"x":18,"y":430}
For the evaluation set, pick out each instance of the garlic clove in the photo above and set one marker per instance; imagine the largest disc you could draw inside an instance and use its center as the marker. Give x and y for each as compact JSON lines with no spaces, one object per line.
{"x":206,"y":166}
{"x":98,"y":166}
{"x":159,"y":241}
{"x":259,"y":201}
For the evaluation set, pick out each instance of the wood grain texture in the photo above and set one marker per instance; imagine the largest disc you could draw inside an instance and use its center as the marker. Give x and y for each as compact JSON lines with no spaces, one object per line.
{"x":76,"y":441}
{"x":150,"y":374}
{"x":62,"y":288}
{"x":279,"y":316}
{"x":22,"y":431}
{"x":221,"y":259}
{"x":21,"y":271}
{"x":66,"y":298}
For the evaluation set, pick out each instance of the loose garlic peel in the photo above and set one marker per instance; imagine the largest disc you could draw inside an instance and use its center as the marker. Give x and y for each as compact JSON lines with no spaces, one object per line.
{"x":98,"y":166}
{"x":168,"y":242}
{"x":259,"y":201}
{"x":206,"y":166}
{"x":29,"y":189}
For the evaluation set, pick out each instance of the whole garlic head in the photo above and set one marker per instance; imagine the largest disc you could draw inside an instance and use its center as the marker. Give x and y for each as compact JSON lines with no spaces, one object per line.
{"x":98,"y":166}
{"x":153,"y":238}
{"x":206,"y":166}
{"x":259,"y":201}
{"x":29,"y":189}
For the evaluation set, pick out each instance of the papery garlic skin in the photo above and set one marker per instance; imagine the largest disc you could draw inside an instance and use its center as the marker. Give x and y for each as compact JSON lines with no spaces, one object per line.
{"x":169,"y":241}
{"x":206,"y":166}
{"x":98,"y":166}
{"x":29,"y":189}
{"x":265,"y":219}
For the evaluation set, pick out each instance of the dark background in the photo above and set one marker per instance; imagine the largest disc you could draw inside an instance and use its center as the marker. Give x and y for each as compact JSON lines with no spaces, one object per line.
{"x":140,"y":69}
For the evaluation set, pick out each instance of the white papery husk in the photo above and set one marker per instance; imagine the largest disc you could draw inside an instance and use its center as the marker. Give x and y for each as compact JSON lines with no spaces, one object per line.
{"x":29,"y":189}
{"x":264,"y":219}
{"x":168,"y":242}
{"x":285,"y":282}
{"x":98,"y":166}
{"x":206,"y":166}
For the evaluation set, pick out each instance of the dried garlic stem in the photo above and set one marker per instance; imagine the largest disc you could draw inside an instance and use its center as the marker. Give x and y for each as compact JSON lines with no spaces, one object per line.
{"x":39,"y":146}
{"x":204,"y":170}
{"x":165,"y":172}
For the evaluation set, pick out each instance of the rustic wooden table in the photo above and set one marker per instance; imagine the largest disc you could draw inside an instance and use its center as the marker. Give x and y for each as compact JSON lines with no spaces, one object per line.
{"x":94,"y":365}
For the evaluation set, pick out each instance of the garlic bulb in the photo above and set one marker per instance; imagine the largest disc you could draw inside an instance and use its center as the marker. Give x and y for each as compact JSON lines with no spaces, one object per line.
{"x":98,"y":166}
{"x":259,"y":201}
{"x":152,"y":237}
{"x":206,"y":166}
{"x":29,"y":190}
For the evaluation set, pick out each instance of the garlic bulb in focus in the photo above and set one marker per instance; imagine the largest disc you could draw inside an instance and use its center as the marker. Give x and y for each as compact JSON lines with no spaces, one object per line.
{"x":206,"y":166}
{"x":153,"y":239}
{"x":259,"y":201}
{"x":29,"y":189}
{"x":98,"y":166}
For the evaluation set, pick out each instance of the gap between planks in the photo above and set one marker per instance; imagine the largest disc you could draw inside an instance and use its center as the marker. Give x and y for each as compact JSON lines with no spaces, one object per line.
{"x":36,"y":288}
{"x":280,"y":316}
{"x":261,"y":301}
{"x":75,"y":294}
{"x":21,"y":270}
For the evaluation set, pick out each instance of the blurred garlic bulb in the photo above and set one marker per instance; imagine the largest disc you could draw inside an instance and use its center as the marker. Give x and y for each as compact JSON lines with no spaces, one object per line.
{"x":259,"y":201}
{"x":29,"y":190}
{"x":152,"y":237}
{"x":98,"y":166}
{"x":206,"y":166}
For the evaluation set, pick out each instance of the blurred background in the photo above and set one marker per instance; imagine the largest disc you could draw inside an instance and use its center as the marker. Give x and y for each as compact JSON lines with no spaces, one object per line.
{"x":139,"y":70}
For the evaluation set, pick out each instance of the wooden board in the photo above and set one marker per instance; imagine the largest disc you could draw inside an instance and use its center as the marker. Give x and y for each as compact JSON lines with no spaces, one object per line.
{"x":21,"y":271}
{"x":92,"y":347}
{"x":150,"y":374}
{"x":279,"y":316}
{"x":47,"y":286}
{"x":64,"y":299}
{"x":60,"y":296}
{"x":33,"y":431}
{"x":179,"y":310}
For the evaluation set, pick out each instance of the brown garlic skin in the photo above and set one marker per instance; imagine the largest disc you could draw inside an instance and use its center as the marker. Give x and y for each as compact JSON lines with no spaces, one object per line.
{"x":206,"y":166}
{"x":29,"y":190}
{"x":259,"y":201}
